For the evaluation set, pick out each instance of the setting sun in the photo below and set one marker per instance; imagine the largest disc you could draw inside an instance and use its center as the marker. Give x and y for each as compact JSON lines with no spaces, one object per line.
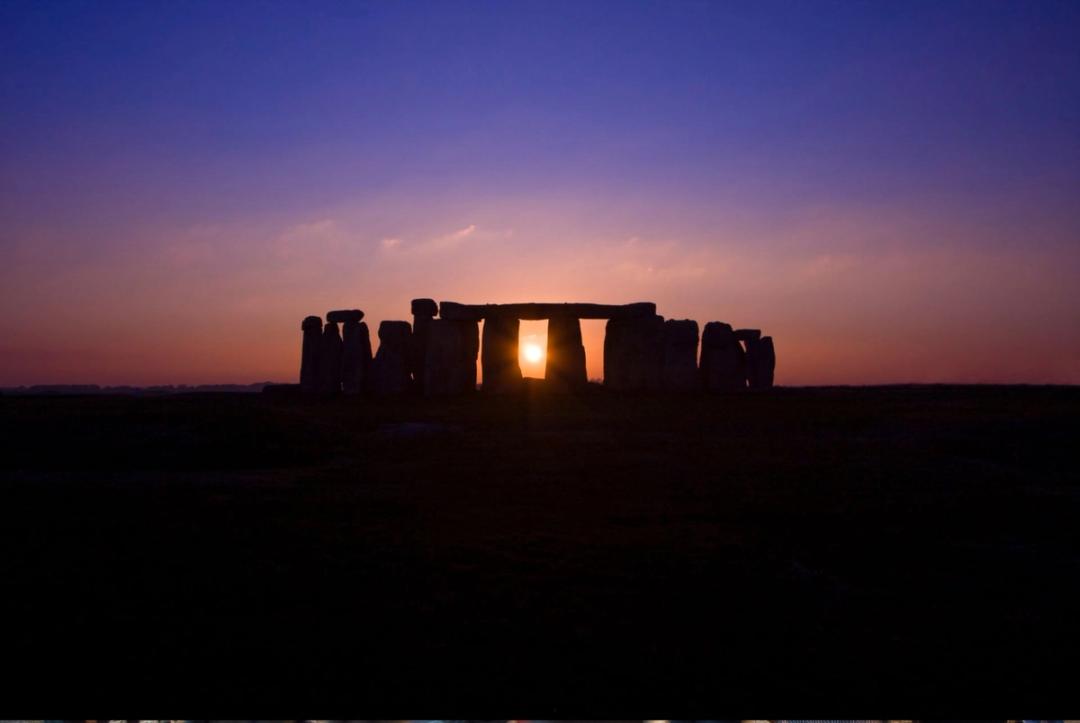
{"x":533,"y":353}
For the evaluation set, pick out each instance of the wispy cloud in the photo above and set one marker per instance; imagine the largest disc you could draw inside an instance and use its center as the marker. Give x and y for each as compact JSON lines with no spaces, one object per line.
{"x":442,"y":243}
{"x":453,"y":239}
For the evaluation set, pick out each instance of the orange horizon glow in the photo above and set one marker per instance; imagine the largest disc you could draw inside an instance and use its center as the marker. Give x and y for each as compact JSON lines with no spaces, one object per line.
{"x":857,"y":315}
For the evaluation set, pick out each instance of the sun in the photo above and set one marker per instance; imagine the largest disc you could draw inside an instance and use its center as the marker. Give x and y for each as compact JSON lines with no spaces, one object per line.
{"x":533,"y":353}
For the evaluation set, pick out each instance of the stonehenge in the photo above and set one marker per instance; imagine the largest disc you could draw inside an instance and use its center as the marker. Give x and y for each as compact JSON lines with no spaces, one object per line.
{"x":767,"y":361}
{"x":723,"y":361}
{"x":679,"y":372}
{"x":436,"y":355}
{"x":499,"y":353}
{"x":356,"y":356}
{"x":330,"y":355}
{"x":564,"y":362}
{"x":344,"y":316}
{"x":747,"y":335}
{"x":390,"y":368}
{"x":634,"y":352}
{"x":450,"y":362}
{"x":309,"y":354}
{"x":423,"y":311}
{"x":534,"y":312}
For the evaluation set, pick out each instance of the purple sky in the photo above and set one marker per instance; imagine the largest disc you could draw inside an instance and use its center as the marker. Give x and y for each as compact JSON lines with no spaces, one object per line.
{"x":892,"y":190}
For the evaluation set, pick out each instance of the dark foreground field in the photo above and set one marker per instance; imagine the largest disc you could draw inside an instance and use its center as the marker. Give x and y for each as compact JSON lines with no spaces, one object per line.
{"x":855,"y":544}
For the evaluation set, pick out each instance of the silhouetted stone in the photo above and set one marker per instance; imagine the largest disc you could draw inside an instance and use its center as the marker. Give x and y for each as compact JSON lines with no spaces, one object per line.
{"x":722,"y":358}
{"x":760,"y":363}
{"x":745,"y":335}
{"x":476,"y":312}
{"x":564,"y":361}
{"x":499,"y":354}
{"x":470,"y":335}
{"x":390,"y":368}
{"x":330,"y":353}
{"x":356,"y":356}
{"x":680,"y":371}
{"x":634,"y":352}
{"x":753,"y":363}
{"x":341,"y":316}
{"x":767,"y":368}
{"x":450,"y":366}
{"x":424,"y":307}
{"x":443,"y":352}
{"x":309,"y":353}
{"x":423,"y":310}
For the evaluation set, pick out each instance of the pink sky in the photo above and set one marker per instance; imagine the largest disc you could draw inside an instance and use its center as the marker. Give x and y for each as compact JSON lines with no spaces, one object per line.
{"x":847,"y":295}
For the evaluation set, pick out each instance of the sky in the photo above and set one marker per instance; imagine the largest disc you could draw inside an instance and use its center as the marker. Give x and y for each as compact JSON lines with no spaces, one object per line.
{"x":889,"y":189}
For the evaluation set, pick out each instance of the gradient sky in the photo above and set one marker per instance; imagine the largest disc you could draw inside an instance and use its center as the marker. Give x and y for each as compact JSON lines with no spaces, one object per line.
{"x":892,"y":190}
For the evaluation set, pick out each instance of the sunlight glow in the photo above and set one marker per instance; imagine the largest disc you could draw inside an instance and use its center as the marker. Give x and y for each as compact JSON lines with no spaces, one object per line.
{"x":533,"y":353}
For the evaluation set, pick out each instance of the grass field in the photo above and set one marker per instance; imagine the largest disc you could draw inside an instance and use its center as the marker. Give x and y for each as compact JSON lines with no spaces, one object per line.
{"x":815,"y":543}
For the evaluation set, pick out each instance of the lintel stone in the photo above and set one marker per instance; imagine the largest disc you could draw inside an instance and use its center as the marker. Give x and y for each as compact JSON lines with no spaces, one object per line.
{"x":475,"y":312}
{"x":344,"y":315}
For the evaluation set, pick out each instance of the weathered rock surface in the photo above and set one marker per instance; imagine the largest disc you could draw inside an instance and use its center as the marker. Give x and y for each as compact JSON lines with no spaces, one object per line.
{"x":476,"y":312}
{"x":723,"y":360}
{"x":680,"y":370}
{"x":311,"y":327}
{"x":390,"y":368}
{"x":564,"y":361}
{"x":341,"y":316}
{"x":499,"y":354}
{"x":450,"y":367}
{"x":634,"y":353}
{"x":356,"y":356}
{"x":330,"y":353}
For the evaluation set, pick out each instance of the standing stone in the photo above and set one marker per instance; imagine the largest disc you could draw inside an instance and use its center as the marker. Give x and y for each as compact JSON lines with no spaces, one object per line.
{"x":748,"y":354}
{"x":722,"y":359}
{"x":499,"y":353}
{"x":423,"y":311}
{"x":634,"y":353}
{"x":753,"y":363}
{"x":746,"y":335}
{"x":766,"y":363}
{"x":740,"y":355}
{"x":680,"y":371}
{"x":470,"y":340}
{"x":356,"y":356}
{"x":564,"y":361}
{"x":309,"y":353}
{"x":330,"y":353}
{"x":614,"y":354}
{"x":390,"y":368}
{"x":450,"y":366}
